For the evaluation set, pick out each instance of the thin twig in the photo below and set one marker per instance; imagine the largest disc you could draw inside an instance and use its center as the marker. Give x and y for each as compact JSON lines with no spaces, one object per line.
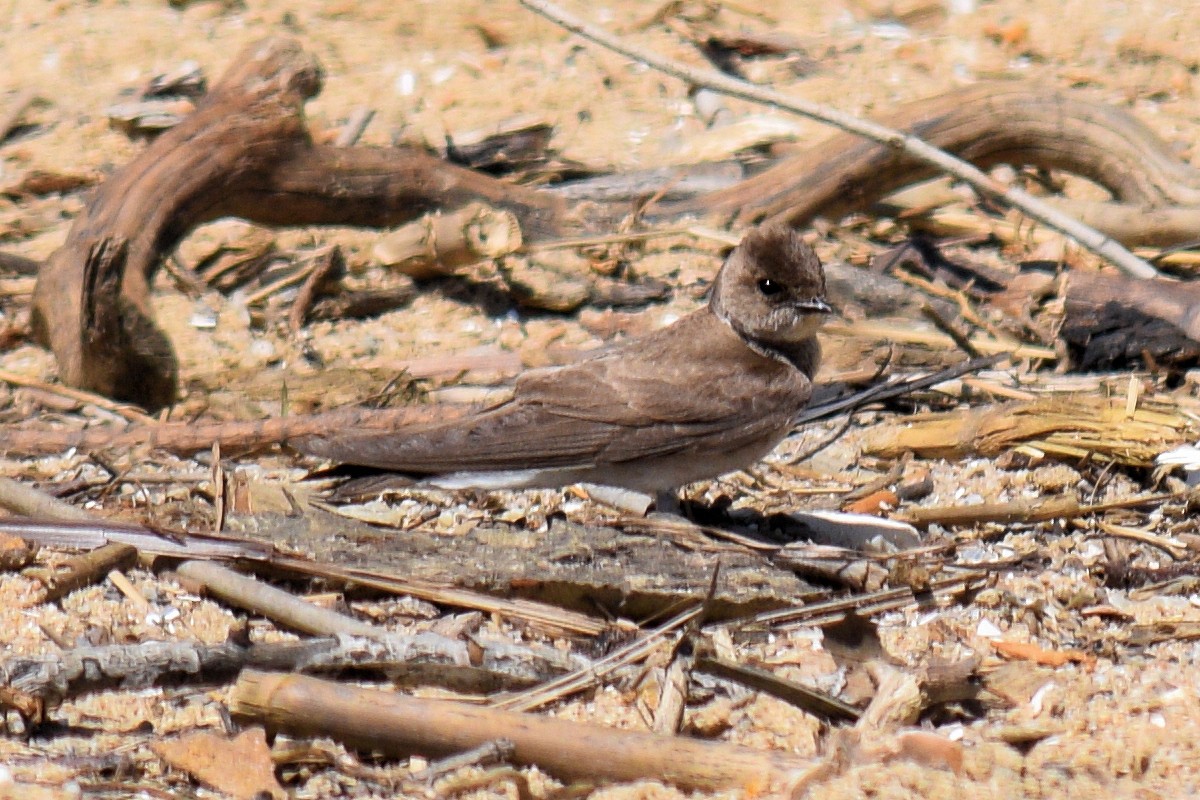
{"x":1089,"y":238}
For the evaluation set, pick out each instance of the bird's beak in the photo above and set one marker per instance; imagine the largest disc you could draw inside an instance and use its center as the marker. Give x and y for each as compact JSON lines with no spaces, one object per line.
{"x":815,"y":305}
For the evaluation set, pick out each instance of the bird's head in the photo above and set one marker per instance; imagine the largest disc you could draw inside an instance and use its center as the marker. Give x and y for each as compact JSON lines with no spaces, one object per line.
{"x":771,"y":288}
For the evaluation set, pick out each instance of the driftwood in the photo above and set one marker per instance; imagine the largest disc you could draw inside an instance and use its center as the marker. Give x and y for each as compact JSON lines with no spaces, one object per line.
{"x":1111,"y":321}
{"x":394,"y":723}
{"x":245,"y":152}
{"x":422,"y":658}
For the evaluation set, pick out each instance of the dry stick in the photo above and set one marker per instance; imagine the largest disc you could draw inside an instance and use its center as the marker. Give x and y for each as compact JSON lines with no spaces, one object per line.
{"x":831,"y":611}
{"x":1090,"y":238}
{"x":892,"y":389}
{"x":428,"y":658}
{"x":908,"y":334}
{"x":94,"y":532}
{"x":397,"y":724}
{"x":241,"y":436}
{"x":28,"y":502}
{"x":1174,"y":550}
{"x":487,"y":753}
{"x":354,"y":128}
{"x":814,"y":702}
{"x":326,"y":264}
{"x":947,"y":327}
{"x":276,"y":604}
{"x":86,"y":669}
{"x":82,"y":570}
{"x":555,"y":618}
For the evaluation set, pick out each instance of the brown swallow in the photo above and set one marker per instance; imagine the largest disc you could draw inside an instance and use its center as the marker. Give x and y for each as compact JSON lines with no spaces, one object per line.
{"x":712,"y":393}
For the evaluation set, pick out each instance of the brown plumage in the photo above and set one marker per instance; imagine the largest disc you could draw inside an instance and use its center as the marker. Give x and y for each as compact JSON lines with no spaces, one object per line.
{"x":709,"y":394}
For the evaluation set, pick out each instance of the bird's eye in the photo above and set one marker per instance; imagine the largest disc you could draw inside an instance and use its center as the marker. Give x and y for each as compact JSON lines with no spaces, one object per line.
{"x":769,"y":287}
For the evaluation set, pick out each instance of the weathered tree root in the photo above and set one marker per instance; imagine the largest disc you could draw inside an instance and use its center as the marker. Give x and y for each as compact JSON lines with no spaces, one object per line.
{"x":245,"y":152}
{"x":986,"y":124}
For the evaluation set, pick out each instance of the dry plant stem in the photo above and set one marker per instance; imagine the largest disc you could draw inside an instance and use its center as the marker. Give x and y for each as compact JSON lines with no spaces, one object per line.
{"x":673,"y":695}
{"x":1021,"y":510}
{"x":1074,"y":427}
{"x":1175,"y":551}
{"x":92,"y":533}
{"x":354,"y":128}
{"x":82,"y":570}
{"x":893,"y":388}
{"x":907,"y":334}
{"x":885,"y":600}
{"x":487,"y":753}
{"x":895,"y":140}
{"x":326,"y":265}
{"x":275,"y":604}
{"x":629,"y":654}
{"x":396,"y":724}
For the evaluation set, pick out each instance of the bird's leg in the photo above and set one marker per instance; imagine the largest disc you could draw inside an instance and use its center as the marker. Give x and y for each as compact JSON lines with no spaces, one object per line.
{"x":666,"y":501}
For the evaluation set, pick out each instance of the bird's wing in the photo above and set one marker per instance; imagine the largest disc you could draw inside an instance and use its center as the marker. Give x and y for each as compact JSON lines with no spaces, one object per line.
{"x":510,"y":436}
{"x":683,"y":389}
{"x":664,"y":401}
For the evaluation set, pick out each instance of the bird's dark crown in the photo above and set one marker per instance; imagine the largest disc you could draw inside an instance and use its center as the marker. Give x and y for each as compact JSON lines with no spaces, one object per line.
{"x":777,"y":254}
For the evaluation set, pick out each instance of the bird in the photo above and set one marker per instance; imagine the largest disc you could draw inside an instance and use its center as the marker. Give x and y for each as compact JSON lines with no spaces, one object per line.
{"x":709,"y":394}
